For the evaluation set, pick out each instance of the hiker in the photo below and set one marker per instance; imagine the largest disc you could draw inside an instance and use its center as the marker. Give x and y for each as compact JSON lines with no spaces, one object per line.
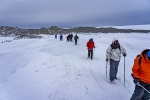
{"x":70,"y":37}
{"x":90,"y":45}
{"x":55,"y":36}
{"x":75,"y":39}
{"x":61,"y":37}
{"x":141,"y":76}
{"x":67,"y":38}
{"x":113,"y":54}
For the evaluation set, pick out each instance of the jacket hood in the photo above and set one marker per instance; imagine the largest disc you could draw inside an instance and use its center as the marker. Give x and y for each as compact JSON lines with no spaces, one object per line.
{"x":114,"y":39}
{"x":144,"y":54}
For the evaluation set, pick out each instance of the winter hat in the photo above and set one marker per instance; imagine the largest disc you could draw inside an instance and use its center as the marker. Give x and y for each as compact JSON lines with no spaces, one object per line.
{"x":149,"y":54}
{"x":91,"y":40}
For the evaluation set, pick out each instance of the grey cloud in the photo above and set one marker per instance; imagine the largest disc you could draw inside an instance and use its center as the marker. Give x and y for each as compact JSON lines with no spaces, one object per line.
{"x":73,"y":13}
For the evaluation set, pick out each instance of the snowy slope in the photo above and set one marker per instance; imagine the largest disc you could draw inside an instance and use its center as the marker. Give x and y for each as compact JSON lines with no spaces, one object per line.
{"x":49,"y":69}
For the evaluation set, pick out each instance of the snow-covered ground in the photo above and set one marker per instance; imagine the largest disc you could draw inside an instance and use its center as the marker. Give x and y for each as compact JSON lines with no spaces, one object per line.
{"x":49,"y":69}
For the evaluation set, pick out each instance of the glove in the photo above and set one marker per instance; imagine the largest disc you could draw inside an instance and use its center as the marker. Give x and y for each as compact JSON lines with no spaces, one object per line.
{"x":136,"y":80}
{"x":94,"y":47}
{"x":106,"y":59}
{"x":124,"y":54}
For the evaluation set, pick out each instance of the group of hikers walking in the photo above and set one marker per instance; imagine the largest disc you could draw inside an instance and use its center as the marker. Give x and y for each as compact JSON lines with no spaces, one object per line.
{"x":69,"y":38}
{"x":140,"y":69}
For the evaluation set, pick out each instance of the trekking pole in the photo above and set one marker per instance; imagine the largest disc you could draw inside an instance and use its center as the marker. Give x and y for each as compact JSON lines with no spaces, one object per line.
{"x":106,"y":68}
{"x":138,"y":84}
{"x":93,"y":52}
{"x":124,"y":70}
{"x":72,"y":41}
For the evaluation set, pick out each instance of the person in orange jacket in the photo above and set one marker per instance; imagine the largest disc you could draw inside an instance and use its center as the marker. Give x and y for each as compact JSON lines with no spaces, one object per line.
{"x":141,"y":75}
{"x":90,"y":45}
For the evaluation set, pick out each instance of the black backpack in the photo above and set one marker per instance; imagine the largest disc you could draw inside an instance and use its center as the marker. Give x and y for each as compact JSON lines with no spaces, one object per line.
{"x":140,"y":59}
{"x":76,"y":37}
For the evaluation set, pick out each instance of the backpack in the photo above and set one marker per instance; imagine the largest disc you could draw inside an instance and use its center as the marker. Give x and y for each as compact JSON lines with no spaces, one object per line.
{"x":76,"y":37}
{"x":140,"y":59}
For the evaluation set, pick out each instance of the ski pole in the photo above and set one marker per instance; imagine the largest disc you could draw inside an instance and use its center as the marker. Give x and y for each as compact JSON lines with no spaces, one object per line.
{"x":106,"y":68}
{"x":124,"y":70}
{"x":138,"y":84}
{"x":72,"y":41}
{"x":93,"y":53}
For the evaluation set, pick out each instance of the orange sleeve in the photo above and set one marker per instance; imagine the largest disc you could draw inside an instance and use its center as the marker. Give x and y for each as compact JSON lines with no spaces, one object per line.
{"x":136,"y":68}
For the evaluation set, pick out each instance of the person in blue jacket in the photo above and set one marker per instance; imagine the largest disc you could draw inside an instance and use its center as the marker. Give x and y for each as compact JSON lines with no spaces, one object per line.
{"x":61,"y":37}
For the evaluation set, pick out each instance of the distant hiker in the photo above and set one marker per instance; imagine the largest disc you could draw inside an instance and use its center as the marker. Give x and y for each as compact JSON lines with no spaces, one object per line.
{"x":61,"y":37}
{"x":75,"y":39}
{"x":141,"y":75}
{"x":55,"y":36}
{"x":67,"y":38}
{"x":113,"y":54}
{"x":90,"y":45}
{"x":70,"y":37}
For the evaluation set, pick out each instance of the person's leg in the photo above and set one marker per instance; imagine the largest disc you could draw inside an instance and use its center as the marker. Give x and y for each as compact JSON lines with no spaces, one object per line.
{"x":91,"y":54}
{"x":138,"y":93}
{"x":88,"y":53}
{"x":116,"y":68}
{"x":75,"y":41}
{"x":146,"y":95}
{"x":112,"y":70}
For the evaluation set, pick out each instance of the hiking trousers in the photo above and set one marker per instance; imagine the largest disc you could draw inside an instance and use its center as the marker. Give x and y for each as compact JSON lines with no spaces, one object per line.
{"x":90,"y":54}
{"x":75,"y":41}
{"x":113,"y":69}
{"x":140,"y":93}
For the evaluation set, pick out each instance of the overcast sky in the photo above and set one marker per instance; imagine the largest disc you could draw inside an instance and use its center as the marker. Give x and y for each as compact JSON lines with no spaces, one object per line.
{"x":73,"y":13}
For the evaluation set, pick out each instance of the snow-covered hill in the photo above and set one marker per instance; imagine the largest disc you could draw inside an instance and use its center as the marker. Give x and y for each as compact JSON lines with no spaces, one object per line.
{"x":49,"y":69}
{"x":134,"y":27}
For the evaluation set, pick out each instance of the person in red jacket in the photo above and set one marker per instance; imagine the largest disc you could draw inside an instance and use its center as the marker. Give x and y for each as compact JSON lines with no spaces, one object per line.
{"x":67,"y":38}
{"x":141,"y":75}
{"x":90,"y":45}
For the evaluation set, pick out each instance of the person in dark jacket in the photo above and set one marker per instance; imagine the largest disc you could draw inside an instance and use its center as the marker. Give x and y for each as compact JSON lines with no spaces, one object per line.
{"x":141,"y":75}
{"x":55,"y":36}
{"x":90,"y":45}
{"x":70,"y":37}
{"x":75,"y":39}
